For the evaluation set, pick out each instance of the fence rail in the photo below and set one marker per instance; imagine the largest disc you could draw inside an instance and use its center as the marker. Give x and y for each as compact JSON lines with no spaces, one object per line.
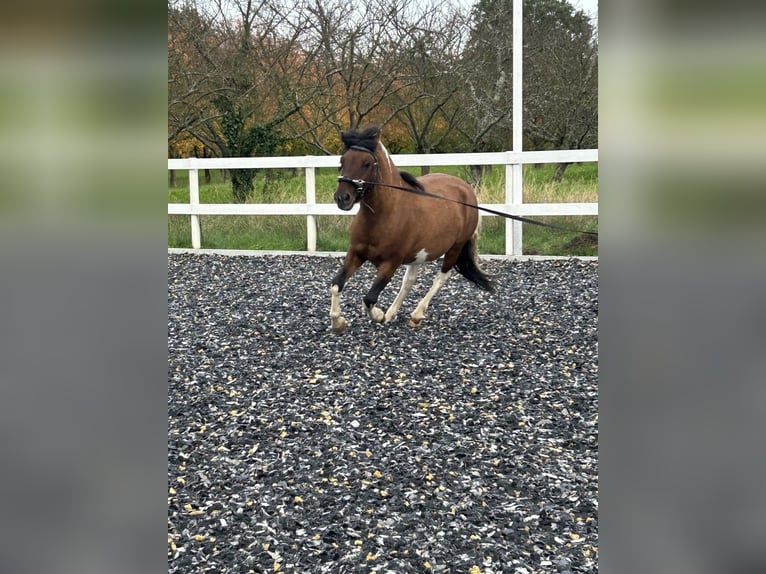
{"x":513,"y":162}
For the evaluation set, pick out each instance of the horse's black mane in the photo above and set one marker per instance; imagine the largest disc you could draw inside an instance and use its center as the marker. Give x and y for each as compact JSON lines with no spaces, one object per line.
{"x":409,"y":178}
{"x":366,"y":139}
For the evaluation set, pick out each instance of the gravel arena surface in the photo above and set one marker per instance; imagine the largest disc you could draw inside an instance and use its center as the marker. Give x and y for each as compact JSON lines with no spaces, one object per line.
{"x":467,"y":445}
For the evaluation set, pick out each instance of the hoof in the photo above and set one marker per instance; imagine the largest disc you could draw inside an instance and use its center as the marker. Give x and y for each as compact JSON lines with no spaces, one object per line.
{"x":390,"y":316}
{"x":377,"y":315}
{"x":339,"y":325}
{"x":414,"y":323}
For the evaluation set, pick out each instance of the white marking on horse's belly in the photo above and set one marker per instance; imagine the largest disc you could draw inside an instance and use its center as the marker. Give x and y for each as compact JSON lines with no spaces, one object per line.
{"x":421,"y":256}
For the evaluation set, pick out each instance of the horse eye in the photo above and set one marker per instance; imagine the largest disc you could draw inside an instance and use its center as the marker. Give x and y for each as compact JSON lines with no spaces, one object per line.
{"x":367,"y":164}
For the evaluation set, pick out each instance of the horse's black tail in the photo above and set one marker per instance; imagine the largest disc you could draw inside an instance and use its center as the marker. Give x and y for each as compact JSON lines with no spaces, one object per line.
{"x":468,"y":266}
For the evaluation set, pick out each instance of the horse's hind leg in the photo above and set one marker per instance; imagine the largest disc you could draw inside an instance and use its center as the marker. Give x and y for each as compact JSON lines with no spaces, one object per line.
{"x":445,"y":272}
{"x":420,"y":311}
{"x":408,"y":281}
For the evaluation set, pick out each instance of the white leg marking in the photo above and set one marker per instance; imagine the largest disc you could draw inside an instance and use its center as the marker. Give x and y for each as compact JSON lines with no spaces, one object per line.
{"x":408,"y":281}
{"x":338,"y":322}
{"x":420,"y":311}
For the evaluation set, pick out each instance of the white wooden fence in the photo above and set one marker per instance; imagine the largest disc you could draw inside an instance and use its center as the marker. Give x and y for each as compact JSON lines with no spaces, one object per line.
{"x":512,"y":161}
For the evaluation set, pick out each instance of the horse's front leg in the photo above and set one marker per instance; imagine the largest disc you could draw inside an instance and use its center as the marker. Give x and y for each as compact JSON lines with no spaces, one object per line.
{"x":382,"y":278}
{"x":350,"y":265}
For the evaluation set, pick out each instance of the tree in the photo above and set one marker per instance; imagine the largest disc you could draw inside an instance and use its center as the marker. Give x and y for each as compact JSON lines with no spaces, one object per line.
{"x":192,"y":76}
{"x":428,"y":109}
{"x":486,"y":72}
{"x":560,"y":76}
{"x":273,"y":76}
{"x":364,"y":63}
{"x":250,"y":75}
{"x":243,"y":141}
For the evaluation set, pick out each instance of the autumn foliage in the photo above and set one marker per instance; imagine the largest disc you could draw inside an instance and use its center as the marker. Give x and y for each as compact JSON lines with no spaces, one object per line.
{"x":266,"y":77}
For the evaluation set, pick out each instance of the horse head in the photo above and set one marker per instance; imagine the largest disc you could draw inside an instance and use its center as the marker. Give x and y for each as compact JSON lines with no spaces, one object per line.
{"x":358,"y":166}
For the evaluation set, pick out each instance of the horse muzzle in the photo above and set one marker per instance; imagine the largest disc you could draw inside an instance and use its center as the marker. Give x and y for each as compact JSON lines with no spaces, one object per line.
{"x":344,"y":199}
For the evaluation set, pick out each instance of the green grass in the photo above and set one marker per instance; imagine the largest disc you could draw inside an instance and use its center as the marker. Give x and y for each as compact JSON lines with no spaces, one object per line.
{"x":579,"y":184}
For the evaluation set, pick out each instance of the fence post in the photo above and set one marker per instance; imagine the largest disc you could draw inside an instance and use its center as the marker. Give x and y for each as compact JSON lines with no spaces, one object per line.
{"x":311,"y":199}
{"x":513,"y":197}
{"x":517,"y":198}
{"x":196,"y":232}
{"x":517,"y":169}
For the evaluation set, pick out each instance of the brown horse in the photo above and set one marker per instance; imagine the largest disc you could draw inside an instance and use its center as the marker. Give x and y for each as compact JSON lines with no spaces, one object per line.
{"x":394,"y":228}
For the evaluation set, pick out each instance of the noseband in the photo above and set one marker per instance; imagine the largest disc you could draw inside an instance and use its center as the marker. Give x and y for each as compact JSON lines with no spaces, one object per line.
{"x":360,"y":185}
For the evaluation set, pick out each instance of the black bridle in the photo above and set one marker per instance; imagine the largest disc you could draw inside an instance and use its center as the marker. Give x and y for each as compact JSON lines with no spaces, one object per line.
{"x":361,"y":186}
